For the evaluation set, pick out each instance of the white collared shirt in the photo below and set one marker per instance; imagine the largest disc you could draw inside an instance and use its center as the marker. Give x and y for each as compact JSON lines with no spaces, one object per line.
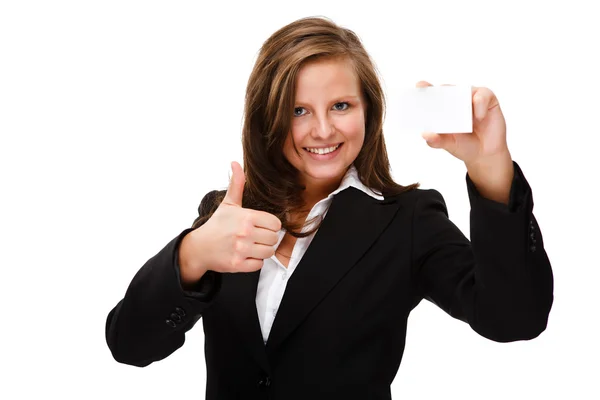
{"x":274,"y":275}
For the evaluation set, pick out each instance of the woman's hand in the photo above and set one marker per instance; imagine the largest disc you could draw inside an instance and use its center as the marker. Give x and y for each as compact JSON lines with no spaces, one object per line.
{"x":484,"y":151}
{"x":234,"y":239}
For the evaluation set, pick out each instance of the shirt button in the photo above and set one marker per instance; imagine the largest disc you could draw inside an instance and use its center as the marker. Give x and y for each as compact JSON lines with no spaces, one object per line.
{"x":283,"y":277}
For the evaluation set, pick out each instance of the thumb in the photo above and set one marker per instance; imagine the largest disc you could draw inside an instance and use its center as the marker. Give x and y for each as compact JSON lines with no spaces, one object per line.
{"x":235,"y":190}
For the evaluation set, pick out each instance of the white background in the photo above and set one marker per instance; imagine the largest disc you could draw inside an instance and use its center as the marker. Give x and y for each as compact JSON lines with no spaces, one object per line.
{"x":116,"y":117}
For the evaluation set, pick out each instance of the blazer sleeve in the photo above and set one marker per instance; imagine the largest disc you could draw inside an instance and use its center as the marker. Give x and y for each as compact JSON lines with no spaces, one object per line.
{"x":501,"y":282}
{"x":150,"y":322}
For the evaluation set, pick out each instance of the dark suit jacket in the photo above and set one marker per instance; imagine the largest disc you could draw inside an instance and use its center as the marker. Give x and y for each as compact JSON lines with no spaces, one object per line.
{"x":340,"y":329}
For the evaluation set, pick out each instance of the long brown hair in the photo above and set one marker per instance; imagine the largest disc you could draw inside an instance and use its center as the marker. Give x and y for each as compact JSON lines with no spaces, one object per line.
{"x":272,"y":183}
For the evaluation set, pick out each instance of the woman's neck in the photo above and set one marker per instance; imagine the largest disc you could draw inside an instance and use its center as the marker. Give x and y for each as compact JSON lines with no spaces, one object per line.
{"x":317,"y":190}
{"x":312,"y":195}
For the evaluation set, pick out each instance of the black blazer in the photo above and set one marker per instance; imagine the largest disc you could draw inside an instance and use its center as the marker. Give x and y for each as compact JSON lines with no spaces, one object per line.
{"x":340,"y":329}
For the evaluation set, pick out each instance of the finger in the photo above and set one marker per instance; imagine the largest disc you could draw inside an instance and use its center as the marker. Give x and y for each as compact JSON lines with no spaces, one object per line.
{"x":261,"y":251}
{"x":235,"y":190}
{"x":265,"y":236}
{"x":483,"y":100}
{"x":251,"y":265}
{"x":437,"y":141}
{"x":263,"y":219}
{"x":422,"y":84}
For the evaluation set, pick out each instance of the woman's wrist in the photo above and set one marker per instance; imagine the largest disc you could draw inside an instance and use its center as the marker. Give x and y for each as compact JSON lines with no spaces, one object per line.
{"x":493,"y":177}
{"x":191,"y":268}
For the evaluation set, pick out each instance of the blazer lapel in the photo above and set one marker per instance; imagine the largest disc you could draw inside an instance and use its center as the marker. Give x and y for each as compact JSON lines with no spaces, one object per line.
{"x":354,"y":221}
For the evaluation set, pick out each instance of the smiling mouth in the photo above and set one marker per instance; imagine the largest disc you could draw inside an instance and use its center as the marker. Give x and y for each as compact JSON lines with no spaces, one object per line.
{"x":322,"y":150}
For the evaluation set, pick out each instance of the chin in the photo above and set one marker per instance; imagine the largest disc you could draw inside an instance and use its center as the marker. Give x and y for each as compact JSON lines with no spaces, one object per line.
{"x":325,"y":173}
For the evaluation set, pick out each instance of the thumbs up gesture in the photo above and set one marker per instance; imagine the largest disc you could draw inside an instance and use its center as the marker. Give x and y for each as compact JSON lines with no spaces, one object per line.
{"x":234,"y":239}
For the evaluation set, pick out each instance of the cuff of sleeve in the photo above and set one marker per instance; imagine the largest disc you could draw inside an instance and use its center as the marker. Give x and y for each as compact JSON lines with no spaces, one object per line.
{"x":207,"y":287}
{"x":519,"y":193}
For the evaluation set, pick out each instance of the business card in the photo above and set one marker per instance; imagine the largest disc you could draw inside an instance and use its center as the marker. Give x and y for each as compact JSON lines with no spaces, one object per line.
{"x":438,"y":109}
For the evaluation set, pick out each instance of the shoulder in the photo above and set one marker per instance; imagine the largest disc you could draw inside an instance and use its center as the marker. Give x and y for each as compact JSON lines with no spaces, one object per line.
{"x":419,"y":203}
{"x":416,"y":197}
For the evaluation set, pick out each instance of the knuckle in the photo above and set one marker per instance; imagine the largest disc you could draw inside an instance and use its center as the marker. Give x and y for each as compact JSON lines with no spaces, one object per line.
{"x":244,"y":230}
{"x":241,"y":233}
{"x":240,"y":246}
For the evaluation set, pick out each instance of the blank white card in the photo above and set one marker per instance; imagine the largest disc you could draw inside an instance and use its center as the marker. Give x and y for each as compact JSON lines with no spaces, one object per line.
{"x":439,"y":109}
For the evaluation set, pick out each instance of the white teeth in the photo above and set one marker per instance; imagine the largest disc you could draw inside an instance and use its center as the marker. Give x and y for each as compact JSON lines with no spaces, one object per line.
{"x":322,"y":150}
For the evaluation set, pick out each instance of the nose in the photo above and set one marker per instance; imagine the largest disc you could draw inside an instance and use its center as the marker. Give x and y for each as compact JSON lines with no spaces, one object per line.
{"x":323,"y":128}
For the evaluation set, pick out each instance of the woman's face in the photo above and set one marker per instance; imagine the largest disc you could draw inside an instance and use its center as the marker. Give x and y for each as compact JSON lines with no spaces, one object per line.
{"x":328,"y":122}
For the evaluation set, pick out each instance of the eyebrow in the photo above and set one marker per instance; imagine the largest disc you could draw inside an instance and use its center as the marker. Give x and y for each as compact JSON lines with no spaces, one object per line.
{"x":337,"y":99}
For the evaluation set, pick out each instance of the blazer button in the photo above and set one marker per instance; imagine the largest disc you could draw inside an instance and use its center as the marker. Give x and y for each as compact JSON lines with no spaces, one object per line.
{"x":176,"y":318}
{"x":180,"y":311}
{"x":532,"y":248}
{"x":171,"y":323}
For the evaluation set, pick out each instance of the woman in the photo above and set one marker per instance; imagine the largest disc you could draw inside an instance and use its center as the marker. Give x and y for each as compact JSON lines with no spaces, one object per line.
{"x":305,"y":270}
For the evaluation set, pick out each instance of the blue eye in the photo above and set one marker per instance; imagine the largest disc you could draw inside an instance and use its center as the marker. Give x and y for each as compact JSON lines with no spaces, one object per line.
{"x":298,"y":111}
{"x":344,"y":104}
{"x":341,"y":106}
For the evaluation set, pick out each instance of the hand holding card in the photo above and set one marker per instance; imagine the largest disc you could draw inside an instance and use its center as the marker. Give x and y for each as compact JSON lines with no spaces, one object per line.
{"x":445,"y":110}
{"x":484,"y":150}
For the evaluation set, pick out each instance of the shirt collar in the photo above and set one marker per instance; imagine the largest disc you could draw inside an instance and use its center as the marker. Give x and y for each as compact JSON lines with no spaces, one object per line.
{"x":351,"y":179}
